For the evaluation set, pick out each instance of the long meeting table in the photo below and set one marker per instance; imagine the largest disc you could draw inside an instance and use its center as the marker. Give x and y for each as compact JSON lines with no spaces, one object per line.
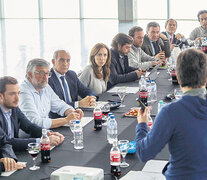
{"x":96,"y":148}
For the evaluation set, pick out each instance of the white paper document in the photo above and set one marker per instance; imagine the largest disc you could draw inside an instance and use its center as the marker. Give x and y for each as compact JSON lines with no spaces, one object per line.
{"x":132,"y":90}
{"x":84,"y":121}
{"x":136,"y":175}
{"x":151,"y":171}
{"x":155,"y":166}
{"x":10,"y":172}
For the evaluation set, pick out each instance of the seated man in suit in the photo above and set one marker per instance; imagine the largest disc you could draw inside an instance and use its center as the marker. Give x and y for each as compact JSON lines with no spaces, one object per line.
{"x":8,"y":160}
{"x":137,"y":57}
{"x":37,"y":98}
{"x":156,"y":43}
{"x":120,"y":70}
{"x":175,"y":39}
{"x":12,"y":119}
{"x":66,"y":84}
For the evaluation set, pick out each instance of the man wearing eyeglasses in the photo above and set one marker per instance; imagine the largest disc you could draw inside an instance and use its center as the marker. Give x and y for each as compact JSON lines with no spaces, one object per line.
{"x":66,"y":84}
{"x":37,"y":98}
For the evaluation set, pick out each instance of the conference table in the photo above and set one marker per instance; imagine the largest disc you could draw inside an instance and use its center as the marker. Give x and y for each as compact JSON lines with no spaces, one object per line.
{"x":96,"y":152}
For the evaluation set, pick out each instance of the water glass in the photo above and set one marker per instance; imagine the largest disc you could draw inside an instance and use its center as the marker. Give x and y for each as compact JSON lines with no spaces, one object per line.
{"x":178,"y":93}
{"x":121,"y":93}
{"x":34,"y":149}
{"x":124,"y":147}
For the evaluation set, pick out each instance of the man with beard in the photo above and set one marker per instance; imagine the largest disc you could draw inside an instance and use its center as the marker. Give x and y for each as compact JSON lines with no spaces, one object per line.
{"x":37,"y":98}
{"x":12,"y":119}
{"x":120,"y":70}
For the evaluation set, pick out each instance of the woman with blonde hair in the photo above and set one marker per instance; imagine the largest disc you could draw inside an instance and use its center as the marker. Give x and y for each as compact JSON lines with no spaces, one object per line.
{"x":96,"y":75}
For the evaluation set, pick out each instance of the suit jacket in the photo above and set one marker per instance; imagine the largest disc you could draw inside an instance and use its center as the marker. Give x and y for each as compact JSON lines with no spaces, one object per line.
{"x":176,"y":41}
{"x":164,"y":44}
{"x":118,"y":74}
{"x":5,"y":151}
{"x":19,"y":121}
{"x":77,"y":88}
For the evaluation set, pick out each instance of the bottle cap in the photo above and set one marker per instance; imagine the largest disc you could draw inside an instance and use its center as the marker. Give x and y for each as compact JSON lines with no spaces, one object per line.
{"x":44,"y":131}
{"x":77,"y":121}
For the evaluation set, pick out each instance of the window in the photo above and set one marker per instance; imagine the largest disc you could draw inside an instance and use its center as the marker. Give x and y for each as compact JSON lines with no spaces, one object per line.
{"x":21,"y":8}
{"x":60,"y":8}
{"x":100,"y":9}
{"x":148,"y":9}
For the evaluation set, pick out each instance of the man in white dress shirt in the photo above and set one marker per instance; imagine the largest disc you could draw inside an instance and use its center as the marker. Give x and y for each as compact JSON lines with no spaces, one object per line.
{"x":37,"y":98}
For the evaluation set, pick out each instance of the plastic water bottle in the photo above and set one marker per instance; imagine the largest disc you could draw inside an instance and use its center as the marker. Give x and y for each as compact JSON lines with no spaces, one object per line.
{"x":149,"y":88}
{"x":78,"y":135}
{"x":153,"y":91}
{"x":112,"y":131}
{"x":160,"y":105}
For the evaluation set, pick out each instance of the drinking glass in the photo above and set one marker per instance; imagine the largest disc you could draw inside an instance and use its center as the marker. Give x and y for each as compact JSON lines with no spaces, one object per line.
{"x":72,"y":124}
{"x":105,"y":111}
{"x":34,"y":149}
{"x":124,"y":147}
{"x":121,"y":93}
{"x":178,"y":93}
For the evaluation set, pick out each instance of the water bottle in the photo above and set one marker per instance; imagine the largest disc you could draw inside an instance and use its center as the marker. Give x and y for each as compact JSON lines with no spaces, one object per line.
{"x":112,"y":131}
{"x":153,"y":91}
{"x":149,"y":88}
{"x":78,"y":135}
{"x":115,"y":160}
{"x":160,"y":105}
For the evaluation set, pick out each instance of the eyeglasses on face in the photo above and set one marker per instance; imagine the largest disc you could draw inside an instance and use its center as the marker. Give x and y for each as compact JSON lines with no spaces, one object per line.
{"x":42,"y":73}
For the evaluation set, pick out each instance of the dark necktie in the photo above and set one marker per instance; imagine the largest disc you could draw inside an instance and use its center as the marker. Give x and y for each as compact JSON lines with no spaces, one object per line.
{"x":65,"y":88}
{"x":156,"y":48}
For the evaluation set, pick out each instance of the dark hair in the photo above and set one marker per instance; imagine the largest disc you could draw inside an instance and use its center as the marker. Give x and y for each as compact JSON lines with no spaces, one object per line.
{"x":191,"y":68}
{"x":121,"y":39}
{"x":133,"y":30}
{"x":166,"y":22}
{"x":106,"y":67}
{"x":201,"y":12}
{"x":6,"y":80}
{"x":152,"y":24}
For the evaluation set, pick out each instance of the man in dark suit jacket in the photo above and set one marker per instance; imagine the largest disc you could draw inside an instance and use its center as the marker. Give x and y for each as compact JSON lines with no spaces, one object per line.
{"x":120,"y":70}
{"x":156,"y":43}
{"x":62,"y":76}
{"x":12,"y":119}
{"x":175,"y":39}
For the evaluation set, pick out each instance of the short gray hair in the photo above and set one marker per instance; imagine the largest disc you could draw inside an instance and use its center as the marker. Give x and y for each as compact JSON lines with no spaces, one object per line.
{"x":55,"y":54}
{"x":32,"y":64}
{"x":152,"y":24}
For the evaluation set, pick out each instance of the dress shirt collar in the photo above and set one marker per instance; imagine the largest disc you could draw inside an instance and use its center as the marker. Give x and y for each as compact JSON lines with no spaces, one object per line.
{"x":4,"y":111}
{"x":32,"y":87}
{"x":58,"y":74}
{"x":168,"y":35}
{"x":200,"y":92}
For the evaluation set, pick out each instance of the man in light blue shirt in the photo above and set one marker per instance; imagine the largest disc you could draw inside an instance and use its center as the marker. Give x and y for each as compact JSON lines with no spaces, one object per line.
{"x":37,"y":98}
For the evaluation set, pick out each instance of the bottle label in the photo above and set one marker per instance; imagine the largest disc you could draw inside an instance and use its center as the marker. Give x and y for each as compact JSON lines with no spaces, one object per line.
{"x":143,"y":94}
{"x":45,"y":146}
{"x":115,"y":156}
{"x":97,"y":115}
{"x":173,"y":73}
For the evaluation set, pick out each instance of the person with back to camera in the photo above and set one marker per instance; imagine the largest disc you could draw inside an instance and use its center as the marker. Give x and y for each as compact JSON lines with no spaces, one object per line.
{"x":181,"y":124}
